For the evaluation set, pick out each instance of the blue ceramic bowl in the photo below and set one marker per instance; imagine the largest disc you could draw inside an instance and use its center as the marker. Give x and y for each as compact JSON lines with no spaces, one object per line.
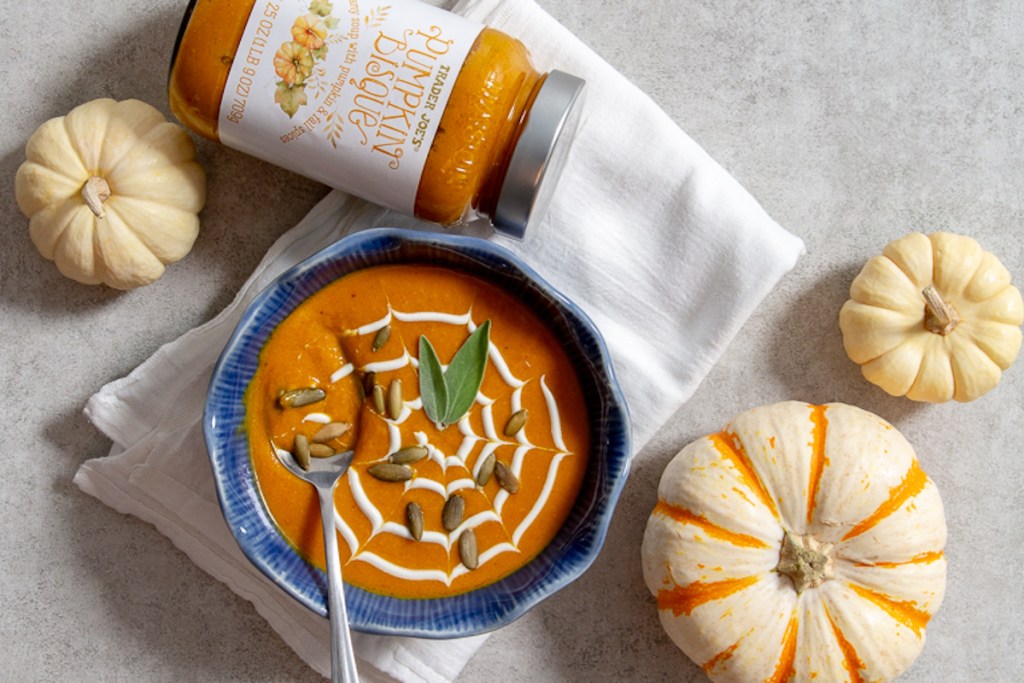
{"x":570,"y":553}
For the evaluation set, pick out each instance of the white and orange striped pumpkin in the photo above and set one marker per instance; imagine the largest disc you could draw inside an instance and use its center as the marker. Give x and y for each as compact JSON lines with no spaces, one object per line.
{"x":801,"y":543}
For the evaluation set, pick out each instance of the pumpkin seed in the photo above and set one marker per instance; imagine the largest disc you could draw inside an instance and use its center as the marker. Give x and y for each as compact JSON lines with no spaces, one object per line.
{"x":467,"y":549}
{"x":378,"y":399}
{"x":451,"y":514}
{"x":483,"y":475}
{"x":369,"y":379}
{"x":507,"y":479}
{"x":414,"y":519}
{"x":408,"y":455}
{"x":302,"y":451}
{"x":331,"y":431}
{"x":381,"y":338}
{"x":320,"y":450}
{"x":296,"y":398}
{"x":395,"y":404}
{"x":389,"y":471}
{"x":516,"y":422}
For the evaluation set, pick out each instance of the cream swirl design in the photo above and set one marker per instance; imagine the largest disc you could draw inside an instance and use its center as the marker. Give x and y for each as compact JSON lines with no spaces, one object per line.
{"x":480,"y":437}
{"x":437,"y":521}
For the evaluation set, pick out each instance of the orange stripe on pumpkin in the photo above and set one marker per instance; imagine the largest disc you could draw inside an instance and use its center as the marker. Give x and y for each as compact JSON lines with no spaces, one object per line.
{"x":904,"y":612}
{"x":730,"y":448}
{"x":720,"y":658}
{"x":741,"y":494}
{"x":710,"y":528}
{"x":912,"y":484}
{"x":786,"y":668}
{"x":851,"y":660}
{"x":818,"y":459}
{"x":685,"y":599}
{"x":923,"y":558}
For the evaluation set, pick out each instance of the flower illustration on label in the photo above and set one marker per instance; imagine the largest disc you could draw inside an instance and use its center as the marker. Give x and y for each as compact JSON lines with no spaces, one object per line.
{"x":293,"y":63}
{"x":310,"y":31}
{"x":296,"y":61}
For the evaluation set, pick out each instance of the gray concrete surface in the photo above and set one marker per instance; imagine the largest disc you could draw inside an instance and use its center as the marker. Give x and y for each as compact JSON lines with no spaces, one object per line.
{"x":852,"y":122}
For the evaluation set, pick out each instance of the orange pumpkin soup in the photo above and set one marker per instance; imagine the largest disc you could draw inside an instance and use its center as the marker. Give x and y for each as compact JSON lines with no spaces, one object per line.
{"x":361,"y":336}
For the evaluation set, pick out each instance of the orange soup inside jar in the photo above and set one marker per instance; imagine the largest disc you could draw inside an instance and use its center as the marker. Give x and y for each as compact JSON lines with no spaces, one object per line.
{"x":402,"y":103}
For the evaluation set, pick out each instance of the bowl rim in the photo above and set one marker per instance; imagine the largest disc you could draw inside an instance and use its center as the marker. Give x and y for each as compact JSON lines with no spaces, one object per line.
{"x":424,"y":618}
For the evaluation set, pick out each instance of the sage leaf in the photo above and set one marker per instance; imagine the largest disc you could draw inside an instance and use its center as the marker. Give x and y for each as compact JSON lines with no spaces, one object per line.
{"x":465,"y":373}
{"x":433,"y":391}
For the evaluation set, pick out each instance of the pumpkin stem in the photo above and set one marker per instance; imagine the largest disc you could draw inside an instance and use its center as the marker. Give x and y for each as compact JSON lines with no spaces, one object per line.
{"x":805,"y":560}
{"x":96,"y":191}
{"x":939,"y":316}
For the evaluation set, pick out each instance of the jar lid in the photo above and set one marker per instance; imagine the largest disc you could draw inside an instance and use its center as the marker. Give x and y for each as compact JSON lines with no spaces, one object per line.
{"x":539,"y":154}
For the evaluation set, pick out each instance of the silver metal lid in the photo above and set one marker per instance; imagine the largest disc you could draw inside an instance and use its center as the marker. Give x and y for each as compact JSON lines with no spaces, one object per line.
{"x":539,"y":154}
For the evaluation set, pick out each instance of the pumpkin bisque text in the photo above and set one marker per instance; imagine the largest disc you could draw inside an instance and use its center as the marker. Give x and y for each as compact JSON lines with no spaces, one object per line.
{"x":467,"y":420}
{"x":398,"y":90}
{"x":801,"y":543}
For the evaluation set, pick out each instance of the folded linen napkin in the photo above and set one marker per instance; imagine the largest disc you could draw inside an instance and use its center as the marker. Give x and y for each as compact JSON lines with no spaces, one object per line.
{"x":628,"y":210}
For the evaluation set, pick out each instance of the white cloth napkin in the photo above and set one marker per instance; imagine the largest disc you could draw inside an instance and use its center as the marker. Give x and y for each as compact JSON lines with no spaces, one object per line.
{"x":664,"y":250}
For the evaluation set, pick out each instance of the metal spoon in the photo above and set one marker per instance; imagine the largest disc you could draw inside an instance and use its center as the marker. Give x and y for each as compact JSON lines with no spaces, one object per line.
{"x":324,"y":474}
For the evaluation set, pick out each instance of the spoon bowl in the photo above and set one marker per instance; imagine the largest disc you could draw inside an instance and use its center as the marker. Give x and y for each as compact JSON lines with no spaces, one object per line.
{"x":322,"y":472}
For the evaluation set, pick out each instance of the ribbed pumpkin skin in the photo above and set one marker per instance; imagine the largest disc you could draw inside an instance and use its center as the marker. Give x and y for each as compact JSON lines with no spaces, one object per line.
{"x":834,"y":473}
{"x":156,"y":190}
{"x":884,"y":322}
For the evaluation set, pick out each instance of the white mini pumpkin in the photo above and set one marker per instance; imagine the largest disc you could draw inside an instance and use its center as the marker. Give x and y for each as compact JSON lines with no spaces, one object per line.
{"x":801,"y":543}
{"x":112,"y":191}
{"x":933,"y":318}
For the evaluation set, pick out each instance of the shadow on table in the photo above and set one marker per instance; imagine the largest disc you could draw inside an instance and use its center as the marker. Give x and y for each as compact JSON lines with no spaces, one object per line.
{"x":171,"y":616}
{"x":808,"y":357}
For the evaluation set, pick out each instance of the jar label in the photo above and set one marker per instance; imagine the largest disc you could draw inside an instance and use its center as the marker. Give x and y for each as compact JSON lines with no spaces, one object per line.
{"x":349,"y":93}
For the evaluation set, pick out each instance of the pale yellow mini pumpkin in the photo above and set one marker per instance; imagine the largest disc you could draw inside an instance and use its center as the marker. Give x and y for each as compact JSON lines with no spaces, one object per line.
{"x":801,"y":543}
{"x":933,"y":318}
{"x":112,"y":191}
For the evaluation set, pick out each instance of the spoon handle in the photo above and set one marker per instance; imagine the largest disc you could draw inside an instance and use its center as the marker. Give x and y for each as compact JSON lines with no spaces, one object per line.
{"x":343,"y":659}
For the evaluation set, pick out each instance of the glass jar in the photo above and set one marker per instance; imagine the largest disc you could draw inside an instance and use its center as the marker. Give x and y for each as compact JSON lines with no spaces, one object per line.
{"x":402,"y":103}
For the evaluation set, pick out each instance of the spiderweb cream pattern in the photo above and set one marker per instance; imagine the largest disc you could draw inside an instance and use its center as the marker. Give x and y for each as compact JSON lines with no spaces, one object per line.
{"x":489,"y":440}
